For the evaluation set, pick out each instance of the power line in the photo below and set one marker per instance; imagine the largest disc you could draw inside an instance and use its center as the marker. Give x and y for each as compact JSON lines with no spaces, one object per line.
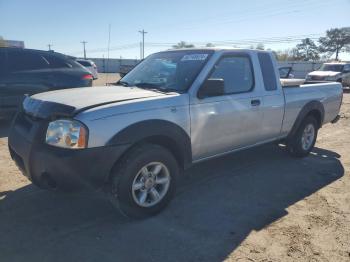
{"x":265,"y":11}
{"x":236,"y":42}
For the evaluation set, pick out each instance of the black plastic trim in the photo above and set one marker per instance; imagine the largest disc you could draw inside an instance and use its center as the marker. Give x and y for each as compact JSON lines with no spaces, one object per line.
{"x":309,"y":107}
{"x":156,"y":129}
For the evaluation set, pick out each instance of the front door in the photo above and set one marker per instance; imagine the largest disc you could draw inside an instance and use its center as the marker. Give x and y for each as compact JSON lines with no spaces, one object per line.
{"x":231,"y":121}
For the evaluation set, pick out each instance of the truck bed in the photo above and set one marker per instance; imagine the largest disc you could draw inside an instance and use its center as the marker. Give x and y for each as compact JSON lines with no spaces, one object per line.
{"x":329,"y":94}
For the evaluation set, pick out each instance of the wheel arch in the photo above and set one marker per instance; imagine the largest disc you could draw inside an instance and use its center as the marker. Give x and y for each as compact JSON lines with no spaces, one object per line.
{"x":312,"y":108}
{"x":160,"y":132}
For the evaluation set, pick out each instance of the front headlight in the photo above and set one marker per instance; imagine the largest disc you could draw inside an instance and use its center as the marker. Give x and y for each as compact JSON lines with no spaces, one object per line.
{"x":67,"y":134}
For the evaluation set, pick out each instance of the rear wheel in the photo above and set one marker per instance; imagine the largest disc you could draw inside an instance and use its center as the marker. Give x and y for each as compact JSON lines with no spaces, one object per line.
{"x":145,"y":181}
{"x":303,"y":141}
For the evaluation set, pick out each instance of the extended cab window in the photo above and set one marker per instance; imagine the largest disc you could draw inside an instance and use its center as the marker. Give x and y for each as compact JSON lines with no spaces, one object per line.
{"x":268,"y":71}
{"x":237,"y":73}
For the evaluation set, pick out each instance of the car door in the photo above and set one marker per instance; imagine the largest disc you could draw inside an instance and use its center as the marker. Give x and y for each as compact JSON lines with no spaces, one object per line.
{"x":28,"y":73}
{"x":223,"y":123}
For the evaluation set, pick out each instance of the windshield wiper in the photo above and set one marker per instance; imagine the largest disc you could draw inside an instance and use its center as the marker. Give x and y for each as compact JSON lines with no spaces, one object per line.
{"x":123,"y":83}
{"x":147,"y":85}
{"x":155,"y":87}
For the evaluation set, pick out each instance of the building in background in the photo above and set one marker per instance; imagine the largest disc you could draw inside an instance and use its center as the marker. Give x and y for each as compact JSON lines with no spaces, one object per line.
{"x":11,"y":43}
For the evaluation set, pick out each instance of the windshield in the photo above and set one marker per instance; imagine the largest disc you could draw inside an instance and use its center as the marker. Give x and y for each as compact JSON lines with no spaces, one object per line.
{"x":329,"y":67}
{"x":172,"y":70}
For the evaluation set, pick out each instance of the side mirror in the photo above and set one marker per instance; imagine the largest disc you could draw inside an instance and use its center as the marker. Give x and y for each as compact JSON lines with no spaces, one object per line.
{"x":212,"y":87}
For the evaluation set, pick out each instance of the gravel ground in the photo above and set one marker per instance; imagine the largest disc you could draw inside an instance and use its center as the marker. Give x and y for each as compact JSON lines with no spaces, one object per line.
{"x":256,"y":205}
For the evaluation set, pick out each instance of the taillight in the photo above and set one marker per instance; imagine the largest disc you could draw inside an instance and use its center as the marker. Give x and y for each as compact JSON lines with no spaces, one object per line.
{"x":87,"y":77}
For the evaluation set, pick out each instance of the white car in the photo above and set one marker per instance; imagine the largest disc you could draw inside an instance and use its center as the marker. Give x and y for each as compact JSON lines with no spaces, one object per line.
{"x":331,"y":72}
{"x":89,"y":65}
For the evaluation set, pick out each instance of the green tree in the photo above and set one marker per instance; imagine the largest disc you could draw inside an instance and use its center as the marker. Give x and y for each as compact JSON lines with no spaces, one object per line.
{"x":260,"y":46}
{"x":210,"y":45}
{"x":335,"y":41}
{"x":307,"y":50}
{"x":183,"y":44}
{"x":287,"y":55}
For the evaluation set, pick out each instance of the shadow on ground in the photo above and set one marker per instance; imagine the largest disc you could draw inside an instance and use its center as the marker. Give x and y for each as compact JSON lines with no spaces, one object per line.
{"x":217,"y":205}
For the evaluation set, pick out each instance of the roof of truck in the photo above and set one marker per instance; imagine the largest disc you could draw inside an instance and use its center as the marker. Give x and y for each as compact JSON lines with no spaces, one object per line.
{"x":216,"y":49}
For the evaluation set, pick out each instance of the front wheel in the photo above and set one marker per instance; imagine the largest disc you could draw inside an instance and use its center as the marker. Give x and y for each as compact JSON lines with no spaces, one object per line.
{"x":144,"y":181}
{"x":303,"y":141}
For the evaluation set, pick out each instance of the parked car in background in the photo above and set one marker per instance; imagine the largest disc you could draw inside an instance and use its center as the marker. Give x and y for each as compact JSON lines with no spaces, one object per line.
{"x":331,"y":72}
{"x":28,"y":71}
{"x":174,"y":109}
{"x":287,"y":78}
{"x":89,"y":65}
{"x":285,"y":72}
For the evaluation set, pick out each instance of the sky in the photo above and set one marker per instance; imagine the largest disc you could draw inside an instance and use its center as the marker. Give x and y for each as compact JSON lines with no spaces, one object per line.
{"x":279,"y":24}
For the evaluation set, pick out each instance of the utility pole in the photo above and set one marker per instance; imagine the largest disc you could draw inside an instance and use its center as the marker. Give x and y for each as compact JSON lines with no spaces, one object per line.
{"x":143,"y":32}
{"x":49,"y":45}
{"x":140,"y":50}
{"x":84,"y":43}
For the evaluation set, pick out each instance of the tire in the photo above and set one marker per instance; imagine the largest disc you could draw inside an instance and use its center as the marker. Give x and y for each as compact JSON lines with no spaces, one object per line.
{"x":301,"y":144}
{"x":144,"y":169}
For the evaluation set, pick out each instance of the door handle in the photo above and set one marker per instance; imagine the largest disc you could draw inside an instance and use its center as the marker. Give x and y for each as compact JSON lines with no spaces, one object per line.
{"x":255,"y":102}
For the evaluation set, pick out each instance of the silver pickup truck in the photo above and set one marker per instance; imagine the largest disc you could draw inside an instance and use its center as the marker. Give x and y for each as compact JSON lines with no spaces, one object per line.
{"x":174,"y":109}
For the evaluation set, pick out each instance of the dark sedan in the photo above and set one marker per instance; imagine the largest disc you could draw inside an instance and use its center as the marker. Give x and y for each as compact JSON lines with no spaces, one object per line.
{"x":28,"y":71}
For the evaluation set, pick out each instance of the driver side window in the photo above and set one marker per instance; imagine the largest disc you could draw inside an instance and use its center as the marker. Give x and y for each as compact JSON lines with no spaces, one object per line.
{"x":237,"y":73}
{"x":347,"y":68}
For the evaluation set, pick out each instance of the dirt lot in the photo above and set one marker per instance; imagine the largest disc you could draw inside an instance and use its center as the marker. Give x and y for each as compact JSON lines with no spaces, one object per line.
{"x":257,"y":205}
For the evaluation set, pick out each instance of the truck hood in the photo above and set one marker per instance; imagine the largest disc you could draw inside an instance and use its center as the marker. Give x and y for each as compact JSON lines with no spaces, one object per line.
{"x":69,"y":102}
{"x":324,"y":73}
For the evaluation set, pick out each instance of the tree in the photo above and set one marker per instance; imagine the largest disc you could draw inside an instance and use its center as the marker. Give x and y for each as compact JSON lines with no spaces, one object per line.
{"x":307,"y":50}
{"x":335,"y":41}
{"x":183,"y":44}
{"x":286,"y":55}
{"x":210,"y":45}
{"x":260,"y":46}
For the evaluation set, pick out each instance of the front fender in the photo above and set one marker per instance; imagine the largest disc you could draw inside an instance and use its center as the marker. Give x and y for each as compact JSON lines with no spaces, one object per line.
{"x":163,"y":132}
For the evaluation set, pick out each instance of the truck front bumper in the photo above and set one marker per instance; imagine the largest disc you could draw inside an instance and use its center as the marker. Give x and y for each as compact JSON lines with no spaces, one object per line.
{"x":58,"y":168}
